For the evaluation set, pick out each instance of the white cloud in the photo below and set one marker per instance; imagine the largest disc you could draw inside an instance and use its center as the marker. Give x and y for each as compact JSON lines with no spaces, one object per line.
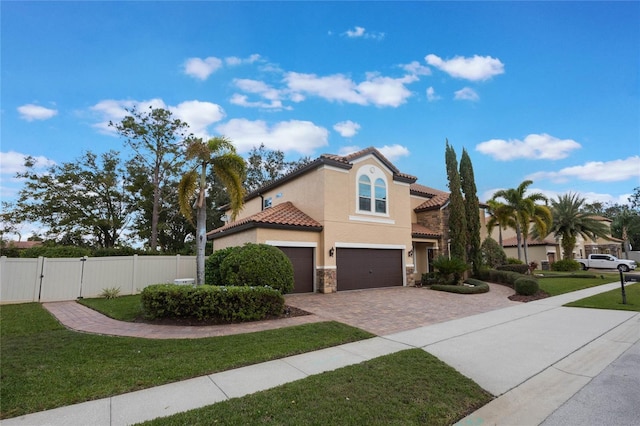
{"x":596,"y":171}
{"x":346,"y":128}
{"x":476,"y":68}
{"x":12,"y":162}
{"x":350,"y":149}
{"x":534,"y":147}
{"x":273,"y":95}
{"x":416,"y":68}
{"x":466,"y":94}
{"x":243,"y":100}
{"x":376,"y":90}
{"x":303,"y":137}
{"x":431,"y":95}
{"x":234,"y":60}
{"x":394,"y":152}
{"x":31,"y":112}
{"x":360,"y":32}
{"x":199,"y":115}
{"x":202,"y":68}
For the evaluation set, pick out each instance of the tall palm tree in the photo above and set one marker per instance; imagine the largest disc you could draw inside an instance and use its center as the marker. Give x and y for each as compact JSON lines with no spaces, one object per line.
{"x":228,"y":167}
{"x":500,"y":216}
{"x":570,"y":220}
{"x":626,"y":224}
{"x":522,"y":210}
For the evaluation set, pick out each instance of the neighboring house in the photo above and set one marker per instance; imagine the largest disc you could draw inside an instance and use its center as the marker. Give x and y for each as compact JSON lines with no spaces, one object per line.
{"x":550,"y":250}
{"x":346,"y":222}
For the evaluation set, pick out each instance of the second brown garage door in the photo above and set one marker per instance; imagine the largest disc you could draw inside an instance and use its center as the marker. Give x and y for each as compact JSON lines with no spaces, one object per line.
{"x":368,"y":268}
{"x":302,"y":261}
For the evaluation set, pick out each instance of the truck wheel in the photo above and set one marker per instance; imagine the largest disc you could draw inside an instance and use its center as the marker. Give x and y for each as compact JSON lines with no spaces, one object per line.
{"x":623,"y":268}
{"x":584,"y":267}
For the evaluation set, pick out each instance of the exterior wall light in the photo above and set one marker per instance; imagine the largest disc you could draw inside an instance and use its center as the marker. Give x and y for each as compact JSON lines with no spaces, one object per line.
{"x":331,"y":251}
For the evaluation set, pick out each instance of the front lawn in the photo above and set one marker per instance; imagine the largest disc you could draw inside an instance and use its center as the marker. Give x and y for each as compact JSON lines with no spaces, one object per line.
{"x":44,"y":365}
{"x":612,"y":300}
{"x":410,"y":387}
{"x":559,"y":283}
{"x":123,"y":308}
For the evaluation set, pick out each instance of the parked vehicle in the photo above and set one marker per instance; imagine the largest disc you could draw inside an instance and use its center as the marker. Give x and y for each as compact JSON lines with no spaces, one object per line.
{"x":607,"y":261}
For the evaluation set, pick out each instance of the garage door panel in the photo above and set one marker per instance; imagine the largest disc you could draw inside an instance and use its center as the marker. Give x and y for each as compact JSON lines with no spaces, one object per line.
{"x":303,"y":270}
{"x":368,"y":268}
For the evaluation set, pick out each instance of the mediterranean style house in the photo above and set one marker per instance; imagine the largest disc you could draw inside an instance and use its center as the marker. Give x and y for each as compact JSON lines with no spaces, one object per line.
{"x":549,"y":249}
{"x":346,"y":222}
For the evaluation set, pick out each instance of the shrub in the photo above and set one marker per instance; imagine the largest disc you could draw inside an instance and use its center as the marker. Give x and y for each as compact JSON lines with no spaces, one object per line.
{"x":110,"y":293}
{"x":501,"y":277}
{"x":514,"y":261}
{"x":212,"y":274}
{"x":566,"y":265}
{"x":526,"y":286}
{"x":450,"y":269}
{"x":258,"y":265}
{"x":520,"y":268}
{"x":119,"y":251}
{"x":56,"y":251}
{"x":207,"y":302}
{"x":474,"y":287}
{"x":429,"y":278}
{"x":492,"y":254}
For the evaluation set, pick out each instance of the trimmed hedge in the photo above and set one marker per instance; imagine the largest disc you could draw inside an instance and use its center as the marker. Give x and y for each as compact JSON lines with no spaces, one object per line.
{"x":501,"y":277}
{"x":566,"y":265}
{"x":212,"y":273}
{"x":206,"y":302}
{"x":258,"y":265}
{"x":526,"y":286}
{"x":476,"y":287}
{"x":56,"y":251}
{"x":514,"y":267}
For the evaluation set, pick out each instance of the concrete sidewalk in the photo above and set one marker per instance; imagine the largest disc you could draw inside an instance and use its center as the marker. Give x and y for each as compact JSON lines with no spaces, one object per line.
{"x":534,"y":357}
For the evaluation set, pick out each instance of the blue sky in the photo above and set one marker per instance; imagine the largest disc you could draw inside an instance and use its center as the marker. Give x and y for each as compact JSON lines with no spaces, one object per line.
{"x":547,"y":91}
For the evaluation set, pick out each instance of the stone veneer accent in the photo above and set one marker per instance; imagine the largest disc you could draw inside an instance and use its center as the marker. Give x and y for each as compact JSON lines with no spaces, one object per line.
{"x":410,"y":279}
{"x":327,"y":280}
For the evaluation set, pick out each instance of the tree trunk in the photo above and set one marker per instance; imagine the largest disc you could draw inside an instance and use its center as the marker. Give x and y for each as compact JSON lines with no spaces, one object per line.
{"x":519,"y":240}
{"x":201,"y":232}
{"x":155,"y":212}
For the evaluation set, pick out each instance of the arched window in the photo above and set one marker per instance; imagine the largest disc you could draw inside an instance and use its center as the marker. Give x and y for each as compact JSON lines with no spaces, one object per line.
{"x":381,"y":196}
{"x":364,"y":193}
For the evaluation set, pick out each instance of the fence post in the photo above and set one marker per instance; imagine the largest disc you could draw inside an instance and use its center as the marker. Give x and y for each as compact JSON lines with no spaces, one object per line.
{"x":134,"y":274}
{"x":177,"y":267}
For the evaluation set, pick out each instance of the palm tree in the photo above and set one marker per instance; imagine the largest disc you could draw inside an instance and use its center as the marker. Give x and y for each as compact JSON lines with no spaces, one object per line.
{"x":522,"y":210}
{"x":228,"y":167}
{"x":500,"y":216}
{"x":626,"y":224}
{"x":570,"y":220}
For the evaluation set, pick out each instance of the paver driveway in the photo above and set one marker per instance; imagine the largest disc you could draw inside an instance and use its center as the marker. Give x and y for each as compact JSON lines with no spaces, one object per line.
{"x":390,"y":310}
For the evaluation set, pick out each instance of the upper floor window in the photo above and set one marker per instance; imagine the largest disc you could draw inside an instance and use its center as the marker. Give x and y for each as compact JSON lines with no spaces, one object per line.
{"x":372,"y":191}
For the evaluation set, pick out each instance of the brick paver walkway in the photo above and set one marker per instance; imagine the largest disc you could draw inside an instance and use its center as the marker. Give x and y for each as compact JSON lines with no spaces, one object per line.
{"x":379,"y":311}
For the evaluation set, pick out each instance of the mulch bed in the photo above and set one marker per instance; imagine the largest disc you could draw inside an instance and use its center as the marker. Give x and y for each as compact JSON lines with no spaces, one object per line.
{"x":289,"y":312}
{"x":519,"y":298}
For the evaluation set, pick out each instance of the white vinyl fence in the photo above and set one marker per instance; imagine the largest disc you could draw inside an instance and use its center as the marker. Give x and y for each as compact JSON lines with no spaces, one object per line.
{"x":55,"y":279}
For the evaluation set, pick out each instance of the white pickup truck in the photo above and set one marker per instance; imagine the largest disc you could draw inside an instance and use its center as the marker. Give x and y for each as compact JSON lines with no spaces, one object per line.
{"x":606,"y":261}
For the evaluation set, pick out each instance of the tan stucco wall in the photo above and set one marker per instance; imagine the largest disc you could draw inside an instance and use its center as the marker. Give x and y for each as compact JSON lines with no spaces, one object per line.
{"x":237,"y":239}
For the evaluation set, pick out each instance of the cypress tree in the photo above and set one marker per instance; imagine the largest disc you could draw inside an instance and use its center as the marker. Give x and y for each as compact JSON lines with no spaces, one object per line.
{"x":457,"y":215}
{"x":472,"y":209}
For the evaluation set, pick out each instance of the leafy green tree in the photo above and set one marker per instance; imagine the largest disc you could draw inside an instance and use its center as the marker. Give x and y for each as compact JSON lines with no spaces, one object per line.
{"x":522,"y":210}
{"x":228,"y":167}
{"x":157,"y":140}
{"x":77,"y":200}
{"x":626,"y":226}
{"x":457,"y":217}
{"x":500,"y":216}
{"x":264,"y":166}
{"x":472,"y":210}
{"x":493,"y":254}
{"x":569,"y":221}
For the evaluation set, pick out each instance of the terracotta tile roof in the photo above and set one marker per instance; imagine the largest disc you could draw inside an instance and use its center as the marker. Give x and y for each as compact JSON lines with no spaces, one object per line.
{"x":513,"y":242}
{"x":418,"y":189}
{"x":433,"y":203}
{"x":418,"y":231}
{"x":284,"y":215}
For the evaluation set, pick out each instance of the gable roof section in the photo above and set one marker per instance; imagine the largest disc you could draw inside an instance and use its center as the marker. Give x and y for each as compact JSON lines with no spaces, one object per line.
{"x":420,"y":231}
{"x":342,"y":162}
{"x":281,"y":216}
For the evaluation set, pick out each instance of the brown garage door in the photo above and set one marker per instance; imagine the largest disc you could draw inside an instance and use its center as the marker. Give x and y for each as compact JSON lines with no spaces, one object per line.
{"x":302,"y":260}
{"x":368,"y":268}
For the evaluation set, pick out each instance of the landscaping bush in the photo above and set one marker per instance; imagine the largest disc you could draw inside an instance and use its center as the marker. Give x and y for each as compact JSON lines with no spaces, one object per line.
{"x":566,"y":265}
{"x":212,"y":274}
{"x":501,"y":277}
{"x":120,"y":251}
{"x":520,"y":268}
{"x":258,"y":265}
{"x":211,"y":303}
{"x":450,"y":269}
{"x":492,"y":254}
{"x":470,"y":286}
{"x":56,"y":251}
{"x":429,"y":278}
{"x":526,"y":286}
{"x":514,"y":261}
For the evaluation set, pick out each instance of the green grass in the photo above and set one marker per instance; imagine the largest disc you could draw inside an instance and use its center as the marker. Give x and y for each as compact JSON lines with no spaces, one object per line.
{"x":564,"y":283}
{"x":123,"y":308}
{"x":406,"y":388}
{"x":612,"y":300}
{"x":45,"y":365}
